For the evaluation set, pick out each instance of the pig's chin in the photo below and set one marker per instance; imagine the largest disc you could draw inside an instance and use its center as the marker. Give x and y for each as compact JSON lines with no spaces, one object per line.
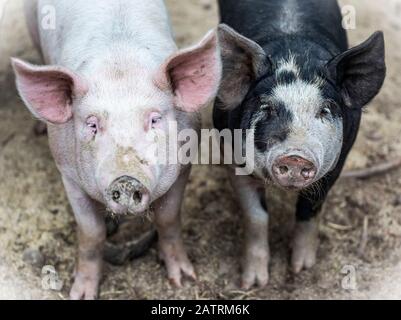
{"x":117,"y":213}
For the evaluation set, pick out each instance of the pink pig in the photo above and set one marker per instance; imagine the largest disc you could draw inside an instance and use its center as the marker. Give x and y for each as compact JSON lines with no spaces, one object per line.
{"x":113,"y":81}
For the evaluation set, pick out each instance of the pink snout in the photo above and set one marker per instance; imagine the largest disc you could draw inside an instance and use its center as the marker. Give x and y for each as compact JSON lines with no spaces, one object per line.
{"x":127,"y":195}
{"x":294,"y":172}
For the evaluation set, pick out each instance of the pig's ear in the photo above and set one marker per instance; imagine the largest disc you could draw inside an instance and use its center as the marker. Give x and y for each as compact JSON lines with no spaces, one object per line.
{"x":48,"y":91}
{"x":244,"y":61}
{"x":360,"y":71}
{"x":193,"y":74}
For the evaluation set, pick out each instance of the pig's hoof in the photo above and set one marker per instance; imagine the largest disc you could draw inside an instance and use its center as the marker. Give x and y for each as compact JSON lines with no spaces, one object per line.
{"x":303,"y":256}
{"x":177,"y":267}
{"x":177,"y":264}
{"x":84,"y":288}
{"x":255,"y":273}
{"x":304,"y":245}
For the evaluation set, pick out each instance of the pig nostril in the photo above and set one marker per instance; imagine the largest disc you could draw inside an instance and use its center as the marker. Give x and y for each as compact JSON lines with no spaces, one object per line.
{"x":307,"y":173}
{"x":137,"y":197}
{"x":283,"y":169}
{"x":116,"y":195}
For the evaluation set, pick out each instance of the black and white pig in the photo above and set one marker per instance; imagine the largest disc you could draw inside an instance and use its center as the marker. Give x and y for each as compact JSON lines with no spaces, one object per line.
{"x":288,"y":75}
{"x":113,"y":82}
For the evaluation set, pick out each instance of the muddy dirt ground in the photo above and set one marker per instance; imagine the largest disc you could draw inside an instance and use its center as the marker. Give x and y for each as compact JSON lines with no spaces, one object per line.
{"x":37,"y":228}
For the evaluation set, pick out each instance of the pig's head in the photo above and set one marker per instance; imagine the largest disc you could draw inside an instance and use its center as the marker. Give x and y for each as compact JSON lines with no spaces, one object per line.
{"x":297,"y":105}
{"x":118,"y":117}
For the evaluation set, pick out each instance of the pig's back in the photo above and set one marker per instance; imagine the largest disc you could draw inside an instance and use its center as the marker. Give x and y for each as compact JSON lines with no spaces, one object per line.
{"x":266,"y":20}
{"x":91,"y":28}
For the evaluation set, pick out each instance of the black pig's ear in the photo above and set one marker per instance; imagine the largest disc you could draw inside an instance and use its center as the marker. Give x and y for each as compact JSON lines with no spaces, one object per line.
{"x":360,"y":71}
{"x":244,"y":61}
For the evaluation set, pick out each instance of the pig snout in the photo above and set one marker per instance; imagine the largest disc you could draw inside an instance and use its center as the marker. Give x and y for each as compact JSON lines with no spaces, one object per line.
{"x":127,"y":195}
{"x":294,"y":171}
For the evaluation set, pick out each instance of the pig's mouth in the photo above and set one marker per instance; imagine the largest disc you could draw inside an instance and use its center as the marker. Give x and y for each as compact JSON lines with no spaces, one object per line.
{"x":115,"y":214}
{"x":295,"y":187}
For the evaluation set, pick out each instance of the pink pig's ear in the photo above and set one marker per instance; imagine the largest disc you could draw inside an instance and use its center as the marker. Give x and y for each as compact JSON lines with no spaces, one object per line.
{"x":194,"y":74}
{"x":48,"y":91}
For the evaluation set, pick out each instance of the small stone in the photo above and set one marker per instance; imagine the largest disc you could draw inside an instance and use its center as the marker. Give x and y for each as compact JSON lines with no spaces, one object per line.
{"x":206,"y":4}
{"x":33,"y":257}
{"x":54,"y":211}
{"x":374,"y":135}
{"x":397,"y":201}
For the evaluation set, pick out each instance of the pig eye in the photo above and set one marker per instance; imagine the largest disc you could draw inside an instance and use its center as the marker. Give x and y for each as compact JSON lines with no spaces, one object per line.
{"x":269,"y":110}
{"x":324,"y":112}
{"x":155,"y":119}
{"x":92,"y":124}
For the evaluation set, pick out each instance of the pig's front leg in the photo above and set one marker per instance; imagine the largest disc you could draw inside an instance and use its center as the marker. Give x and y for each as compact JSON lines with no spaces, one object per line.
{"x":91,"y":238}
{"x":251,"y":196}
{"x":305,"y":240}
{"x":168,"y":224}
